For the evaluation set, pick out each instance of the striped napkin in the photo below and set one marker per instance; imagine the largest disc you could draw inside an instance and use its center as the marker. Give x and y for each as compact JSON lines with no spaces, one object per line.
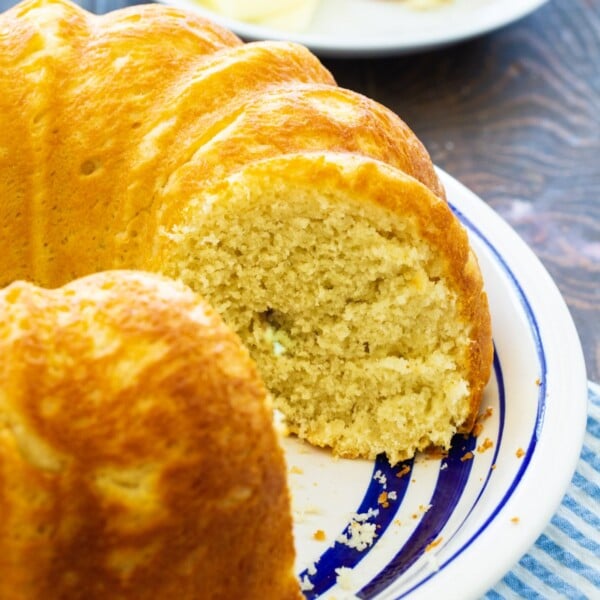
{"x":565,"y":560}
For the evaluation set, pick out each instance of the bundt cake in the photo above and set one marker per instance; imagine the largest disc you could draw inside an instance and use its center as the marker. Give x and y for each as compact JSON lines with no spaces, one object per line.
{"x":309,"y":216}
{"x":137,"y":454}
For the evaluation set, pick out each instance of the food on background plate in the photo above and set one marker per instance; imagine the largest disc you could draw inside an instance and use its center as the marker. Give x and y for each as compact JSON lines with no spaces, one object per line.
{"x":287,"y":15}
{"x":309,"y":216}
{"x":292,"y":15}
{"x":424,"y":4}
{"x":137,"y":454}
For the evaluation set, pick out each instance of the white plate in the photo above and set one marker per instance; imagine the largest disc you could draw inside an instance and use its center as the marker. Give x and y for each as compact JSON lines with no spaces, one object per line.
{"x":478,"y":516}
{"x":375,"y":27}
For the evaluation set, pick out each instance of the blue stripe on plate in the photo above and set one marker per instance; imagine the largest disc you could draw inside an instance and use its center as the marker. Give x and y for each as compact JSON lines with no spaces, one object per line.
{"x":340,"y":555}
{"x":448,"y":491}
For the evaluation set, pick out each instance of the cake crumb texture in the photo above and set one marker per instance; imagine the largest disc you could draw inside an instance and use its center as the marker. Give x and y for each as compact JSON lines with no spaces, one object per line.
{"x":354,"y":289}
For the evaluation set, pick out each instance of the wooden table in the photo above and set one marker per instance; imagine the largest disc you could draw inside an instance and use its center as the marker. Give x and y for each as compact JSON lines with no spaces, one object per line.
{"x":515,"y":116}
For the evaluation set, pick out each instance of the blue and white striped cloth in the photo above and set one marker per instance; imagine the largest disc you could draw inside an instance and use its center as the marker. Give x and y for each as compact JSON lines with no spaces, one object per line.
{"x":565,"y":560}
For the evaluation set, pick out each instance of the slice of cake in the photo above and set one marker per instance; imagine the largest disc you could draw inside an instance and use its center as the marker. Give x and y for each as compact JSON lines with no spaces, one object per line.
{"x":355,"y":290}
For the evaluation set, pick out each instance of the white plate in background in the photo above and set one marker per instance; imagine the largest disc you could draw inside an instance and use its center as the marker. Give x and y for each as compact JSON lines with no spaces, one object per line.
{"x":453,"y":527}
{"x":346,"y":28}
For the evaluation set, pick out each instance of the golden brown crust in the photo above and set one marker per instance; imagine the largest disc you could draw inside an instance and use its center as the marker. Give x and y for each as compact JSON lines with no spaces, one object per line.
{"x":481,"y":351}
{"x":76,"y":89}
{"x":138,"y":456}
{"x":276,"y":123}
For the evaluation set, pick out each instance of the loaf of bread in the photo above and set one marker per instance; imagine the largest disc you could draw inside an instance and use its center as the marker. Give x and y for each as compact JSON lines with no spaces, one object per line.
{"x":309,"y":216}
{"x":137,"y":455}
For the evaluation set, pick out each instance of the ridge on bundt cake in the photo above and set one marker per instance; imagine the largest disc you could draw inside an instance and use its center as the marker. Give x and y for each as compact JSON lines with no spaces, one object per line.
{"x":137,"y":454}
{"x":309,"y":216}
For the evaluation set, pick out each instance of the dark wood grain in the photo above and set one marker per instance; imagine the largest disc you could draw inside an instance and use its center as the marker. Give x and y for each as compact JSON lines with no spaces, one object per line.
{"x":515,"y":116}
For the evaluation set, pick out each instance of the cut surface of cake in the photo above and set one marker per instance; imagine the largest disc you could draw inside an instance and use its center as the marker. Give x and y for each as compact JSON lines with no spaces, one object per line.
{"x":355,"y":290}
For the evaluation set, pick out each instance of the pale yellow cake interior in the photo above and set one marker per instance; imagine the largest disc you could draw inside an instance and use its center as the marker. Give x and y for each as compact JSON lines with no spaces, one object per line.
{"x":345,"y":309}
